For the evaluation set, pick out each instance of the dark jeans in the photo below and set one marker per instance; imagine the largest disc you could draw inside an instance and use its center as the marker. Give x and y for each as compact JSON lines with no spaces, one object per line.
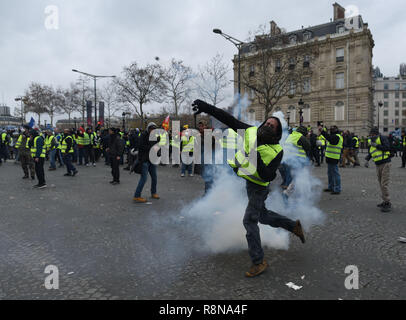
{"x":115,"y":168}
{"x":89,"y":154}
{"x":83,"y":155}
{"x":67,"y":158}
{"x":39,"y":170}
{"x":334,"y":178}
{"x":151,"y":168}
{"x":257,"y":212}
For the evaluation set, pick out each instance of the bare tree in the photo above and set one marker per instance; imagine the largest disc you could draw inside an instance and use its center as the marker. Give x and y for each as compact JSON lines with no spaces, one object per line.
{"x":86,"y":93}
{"x":52,"y":100}
{"x":71,"y":100}
{"x":139,"y":86}
{"x":271,"y":74}
{"x":211,"y":81}
{"x":176,"y":80}
{"x":36,"y":100}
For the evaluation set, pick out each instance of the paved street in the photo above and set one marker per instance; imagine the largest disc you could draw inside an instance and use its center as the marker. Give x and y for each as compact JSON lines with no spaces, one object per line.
{"x":107,"y":247}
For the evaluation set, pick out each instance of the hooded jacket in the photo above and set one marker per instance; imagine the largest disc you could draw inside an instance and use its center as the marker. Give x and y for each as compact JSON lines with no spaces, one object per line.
{"x":266,"y":172}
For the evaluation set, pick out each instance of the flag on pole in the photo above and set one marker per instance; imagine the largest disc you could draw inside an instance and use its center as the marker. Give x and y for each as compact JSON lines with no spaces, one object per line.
{"x":165,"y":124}
{"x":31,"y":123}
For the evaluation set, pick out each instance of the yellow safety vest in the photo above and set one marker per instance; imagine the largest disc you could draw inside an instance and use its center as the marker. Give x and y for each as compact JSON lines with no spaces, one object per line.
{"x":378,"y":155}
{"x":188,"y":144}
{"x":64,"y":145}
{"x":175,"y":142}
{"x":34,"y":148}
{"x":292,"y":147}
{"x":334,"y":151}
{"x":356,"y":142}
{"x":162,"y":141}
{"x":248,"y":170}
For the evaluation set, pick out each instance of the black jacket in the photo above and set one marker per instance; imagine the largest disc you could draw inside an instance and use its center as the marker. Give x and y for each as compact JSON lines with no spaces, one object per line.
{"x":115,"y":146}
{"x":144,"y":146}
{"x":267,"y":173}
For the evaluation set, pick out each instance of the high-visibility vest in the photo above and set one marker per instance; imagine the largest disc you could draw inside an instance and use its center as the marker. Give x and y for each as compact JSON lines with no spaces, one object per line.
{"x":248,"y":170}
{"x":64,"y":145}
{"x":3,"y":138}
{"x":48,"y":142}
{"x":175,"y":143}
{"x":378,"y":155}
{"x":322,"y":139}
{"x":162,"y":141}
{"x":230,"y":140}
{"x":188,"y":144}
{"x":356,"y":142}
{"x":292,"y":147}
{"x":59,"y":138}
{"x":404,"y":141}
{"x":19,"y":140}
{"x":333,"y":151}
{"x":34,"y":148}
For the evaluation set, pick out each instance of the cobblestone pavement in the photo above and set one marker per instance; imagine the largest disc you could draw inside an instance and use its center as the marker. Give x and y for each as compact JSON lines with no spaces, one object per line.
{"x":107,"y":247}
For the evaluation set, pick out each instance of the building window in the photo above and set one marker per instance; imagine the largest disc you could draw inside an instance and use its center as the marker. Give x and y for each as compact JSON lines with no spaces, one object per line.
{"x":397,"y":113}
{"x":396,"y":95}
{"x":397,"y":86}
{"x":306,"y":61}
{"x":292,"y":40}
{"x":306,"y":85}
{"x":404,"y":104}
{"x":251,"y":116}
{"x":340,"y":29}
{"x":292,"y":115}
{"x":292,"y":87}
{"x":292,"y":63}
{"x":340,"y":80}
{"x":306,"y":113}
{"x":386,"y":104}
{"x":403,"y":86}
{"x":385,"y":113}
{"x":404,"y":113}
{"x":386,"y":95}
{"x":307,"y":36}
{"x":385,"y":122}
{"x":278,"y":65}
{"x":404,"y":95}
{"x":396,"y":104}
{"x":339,"y":111}
{"x":385,"y":129}
{"x":386,"y":86}
{"x":340,"y":55}
{"x":396,"y":122}
{"x":252,"y":70}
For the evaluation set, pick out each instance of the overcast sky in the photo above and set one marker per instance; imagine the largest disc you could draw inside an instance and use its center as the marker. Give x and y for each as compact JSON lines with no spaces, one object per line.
{"x":101,"y":36}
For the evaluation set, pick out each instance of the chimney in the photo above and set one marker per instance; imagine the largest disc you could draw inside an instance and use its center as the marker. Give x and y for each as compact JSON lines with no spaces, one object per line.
{"x":339,"y":12}
{"x":274,"y":28}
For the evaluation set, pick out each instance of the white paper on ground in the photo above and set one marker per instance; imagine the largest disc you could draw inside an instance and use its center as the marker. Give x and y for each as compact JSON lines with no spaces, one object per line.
{"x":293,"y":286}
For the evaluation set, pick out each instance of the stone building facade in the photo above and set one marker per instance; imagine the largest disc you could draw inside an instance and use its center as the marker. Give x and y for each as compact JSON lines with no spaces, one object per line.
{"x":337,"y":84}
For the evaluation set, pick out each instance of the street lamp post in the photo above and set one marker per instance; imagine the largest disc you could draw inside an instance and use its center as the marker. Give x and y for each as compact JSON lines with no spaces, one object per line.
{"x":380,"y":104}
{"x":301,"y":103}
{"x":95,"y":94}
{"x":21,"y":99}
{"x":238,"y":44}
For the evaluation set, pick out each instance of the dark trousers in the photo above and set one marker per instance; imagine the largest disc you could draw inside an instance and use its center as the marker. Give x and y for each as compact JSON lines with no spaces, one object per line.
{"x":316,"y":155}
{"x":39,"y":170}
{"x":404,"y":157}
{"x":115,"y":169}
{"x":67,"y":159}
{"x":83,"y":155}
{"x":257,"y":212}
{"x":147,"y":167}
{"x":89,"y":154}
{"x":27,"y":164}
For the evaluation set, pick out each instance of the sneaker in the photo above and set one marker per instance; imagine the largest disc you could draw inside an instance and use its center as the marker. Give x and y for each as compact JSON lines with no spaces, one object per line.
{"x":191,"y":175}
{"x":94,"y":164}
{"x":67,"y":175}
{"x":182,"y":175}
{"x":75,"y":173}
{"x":335,"y":192}
{"x":381,"y":204}
{"x":32,"y":177}
{"x":298,"y":231}
{"x":126,"y":169}
{"x":155,"y":196}
{"x":140,"y":200}
{"x":111,"y":182}
{"x":256,"y":269}
{"x":115,"y":183}
{"x":25,"y":177}
{"x":87,"y":165}
{"x":328,"y":190}
{"x":386,"y":207}
{"x":42,"y":186}
{"x":51,"y":169}
{"x":36,"y":186}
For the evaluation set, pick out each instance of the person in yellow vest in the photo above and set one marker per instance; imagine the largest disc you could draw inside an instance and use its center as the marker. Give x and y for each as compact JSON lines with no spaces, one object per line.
{"x":67,"y":150}
{"x":333,"y":154}
{"x":263,"y":144}
{"x":175,"y":148}
{"x":24,"y":153}
{"x":37,"y":146}
{"x":297,"y":150}
{"x":187,"y":143}
{"x":4,"y":142}
{"x":379,"y":152}
{"x":90,"y":142}
{"x":51,"y":148}
{"x":321,"y":143}
{"x":403,"y":142}
{"x":355,"y":145}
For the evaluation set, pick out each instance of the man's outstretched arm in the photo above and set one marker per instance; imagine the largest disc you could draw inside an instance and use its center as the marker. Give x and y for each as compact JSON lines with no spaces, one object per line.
{"x":200,"y":106}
